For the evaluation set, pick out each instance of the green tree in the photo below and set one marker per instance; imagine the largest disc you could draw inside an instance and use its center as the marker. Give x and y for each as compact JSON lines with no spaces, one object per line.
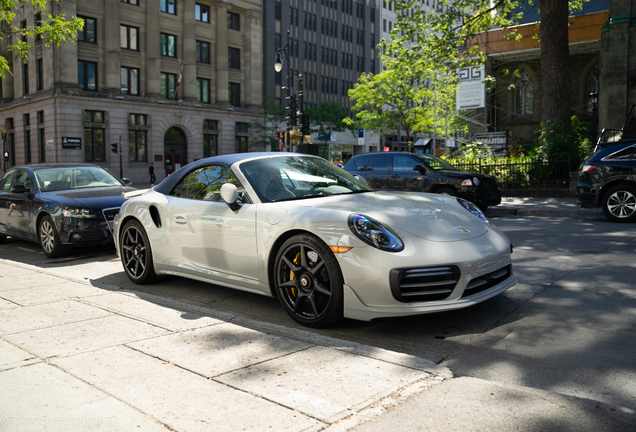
{"x":266,"y":129}
{"x":53,"y":29}
{"x":327,"y":118}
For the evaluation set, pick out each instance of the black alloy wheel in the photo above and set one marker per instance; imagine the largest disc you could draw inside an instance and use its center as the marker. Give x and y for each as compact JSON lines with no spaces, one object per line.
{"x":136,"y":255}
{"x":49,"y":239}
{"x":309,"y":281}
{"x":619,"y":204}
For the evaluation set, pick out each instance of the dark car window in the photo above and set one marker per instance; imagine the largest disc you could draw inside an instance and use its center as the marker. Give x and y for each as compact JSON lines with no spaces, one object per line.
{"x":5,"y":181}
{"x":360,"y":163}
{"x":403,"y":163}
{"x":381,"y":163}
{"x":23,"y":178}
{"x":205,"y":183}
{"x":435,"y":163}
{"x":625,"y":154}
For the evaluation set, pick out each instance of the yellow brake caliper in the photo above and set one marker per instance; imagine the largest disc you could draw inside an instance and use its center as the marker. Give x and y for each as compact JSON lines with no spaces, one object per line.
{"x":291,"y":275}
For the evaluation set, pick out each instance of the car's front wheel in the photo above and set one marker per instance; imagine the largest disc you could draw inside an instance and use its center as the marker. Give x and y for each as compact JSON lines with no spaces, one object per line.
{"x":49,"y":238}
{"x":136,"y":254}
{"x":619,"y":204}
{"x":308,"y":281}
{"x":3,"y":238}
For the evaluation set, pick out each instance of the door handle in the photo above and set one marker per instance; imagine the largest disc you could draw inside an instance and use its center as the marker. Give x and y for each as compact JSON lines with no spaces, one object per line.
{"x":180,"y":220}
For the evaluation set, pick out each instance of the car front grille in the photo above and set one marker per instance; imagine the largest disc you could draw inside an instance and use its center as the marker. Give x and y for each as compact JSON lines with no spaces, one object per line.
{"x":424,"y":284}
{"x":489,"y":280}
{"x":109,"y":215}
{"x":489,"y":185}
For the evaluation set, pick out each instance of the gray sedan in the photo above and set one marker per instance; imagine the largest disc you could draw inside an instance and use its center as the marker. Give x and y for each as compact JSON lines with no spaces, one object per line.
{"x":328,"y":247}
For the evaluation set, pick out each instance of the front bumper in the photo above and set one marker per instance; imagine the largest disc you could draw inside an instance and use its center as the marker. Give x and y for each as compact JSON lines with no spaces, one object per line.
{"x":83,"y":231}
{"x":367,"y":273}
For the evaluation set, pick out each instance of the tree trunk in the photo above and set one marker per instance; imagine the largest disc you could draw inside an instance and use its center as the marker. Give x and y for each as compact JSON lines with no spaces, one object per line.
{"x":555,"y":62}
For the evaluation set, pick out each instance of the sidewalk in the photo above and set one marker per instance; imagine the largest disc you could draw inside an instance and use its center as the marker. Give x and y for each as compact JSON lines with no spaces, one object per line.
{"x":548,"y":207}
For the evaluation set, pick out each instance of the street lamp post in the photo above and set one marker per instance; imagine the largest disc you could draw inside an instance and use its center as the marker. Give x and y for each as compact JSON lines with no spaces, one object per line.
{"x":278,"y":66}
{"x":594,"y":102}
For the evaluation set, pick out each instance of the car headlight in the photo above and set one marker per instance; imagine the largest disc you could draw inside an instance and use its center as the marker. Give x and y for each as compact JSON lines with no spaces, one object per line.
{"x":375,"y":233}
{"x":473,"y":209}
{"x":467,"y":182}
{"x":76,"y":212}
{"x":476,"y":181}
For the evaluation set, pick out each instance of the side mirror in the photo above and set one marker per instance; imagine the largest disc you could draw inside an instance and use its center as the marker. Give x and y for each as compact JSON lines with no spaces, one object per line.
{"x":20,"y":188}
{"x":420,"y":169}
{"x":126,"y":181}
{"x":229,"y":193}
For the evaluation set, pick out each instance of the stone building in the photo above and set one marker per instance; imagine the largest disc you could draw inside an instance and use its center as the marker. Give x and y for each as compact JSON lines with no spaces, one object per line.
{"x":168,"y":81}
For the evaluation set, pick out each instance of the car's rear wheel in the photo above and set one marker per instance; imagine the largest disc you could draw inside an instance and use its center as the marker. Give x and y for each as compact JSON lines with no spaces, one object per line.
{"x":49,"y":238}
{"x":619,"y":204}
{"x":136,"y":254}
{"x":308,"y":281}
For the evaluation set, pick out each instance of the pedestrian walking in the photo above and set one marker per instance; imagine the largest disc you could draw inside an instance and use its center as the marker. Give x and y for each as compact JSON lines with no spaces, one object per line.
{"x":151,"y":171}
{"x":337,"y":162}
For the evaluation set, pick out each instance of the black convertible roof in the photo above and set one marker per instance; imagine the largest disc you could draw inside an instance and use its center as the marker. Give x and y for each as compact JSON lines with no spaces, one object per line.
{"x":225,"y":160}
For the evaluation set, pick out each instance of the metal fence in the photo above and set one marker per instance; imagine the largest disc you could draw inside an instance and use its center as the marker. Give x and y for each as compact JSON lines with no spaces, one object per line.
{"x":522,"y":175}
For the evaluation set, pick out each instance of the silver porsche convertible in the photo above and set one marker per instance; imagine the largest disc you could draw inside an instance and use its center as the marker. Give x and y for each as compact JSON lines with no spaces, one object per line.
{"x":300,"y":229}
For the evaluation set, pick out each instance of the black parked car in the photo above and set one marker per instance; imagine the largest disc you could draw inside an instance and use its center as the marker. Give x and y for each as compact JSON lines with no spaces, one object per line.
{"x":608,"y":180}
{"x":403,"y":171}
{"x":59,"y":205}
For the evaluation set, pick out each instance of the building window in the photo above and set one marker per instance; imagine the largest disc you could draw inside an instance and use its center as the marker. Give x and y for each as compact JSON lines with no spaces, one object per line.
{"x":240,"y":144}
{"x":87,"y":75}
{"x":137,"y":146}
{"x":210,"y":145}
{"x":202,"y":13}
{"x":26,"y":120}
{"x":203,"y":90}
{"x":88,"y":32}
{"x":130,"y":81}
{"x":235,"y":94}
{"x":234,"y":58}
{"x":241,"y":127}
{"x":167,"y":84}
{"x":41,"y":145}
{"x":277,"y":11}
{"x":94,"y":136}
{"x":524,"y":95}
{"x":39,"y":75}
{"x":169,"y":6}
{"x":132,"y":2}
{"x":168,"y":45}
{"x":203,"y":52}
{"x":137,"y":120}
{"x":233,"y":21}
{"x":25,"y":79}
{"x":38,"y":23}
{"x":128,"y":37}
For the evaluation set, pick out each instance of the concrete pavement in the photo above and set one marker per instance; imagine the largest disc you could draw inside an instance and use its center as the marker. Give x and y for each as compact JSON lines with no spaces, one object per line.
{"x":76,"y":355}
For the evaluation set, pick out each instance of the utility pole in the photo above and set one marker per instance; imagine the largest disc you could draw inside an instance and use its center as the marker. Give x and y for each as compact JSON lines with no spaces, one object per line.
{"x":121,"y":169}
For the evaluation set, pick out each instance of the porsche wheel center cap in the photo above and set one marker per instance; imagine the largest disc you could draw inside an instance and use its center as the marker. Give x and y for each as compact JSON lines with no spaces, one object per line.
{"x":305,"y":282}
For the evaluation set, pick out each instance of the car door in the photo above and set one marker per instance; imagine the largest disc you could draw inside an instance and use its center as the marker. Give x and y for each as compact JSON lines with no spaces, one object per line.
{"x":403,"y":177}
{"x":21,"y":206}
{"x":221,"y":243}
{"x":377,"y":172}
{"x":5,"y":201}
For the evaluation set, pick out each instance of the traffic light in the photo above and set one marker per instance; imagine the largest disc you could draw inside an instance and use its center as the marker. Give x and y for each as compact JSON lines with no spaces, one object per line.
{"x":305,"y":124}
{"x":6,"y":156}
{"x":113,"y":148}
{"x":293,"y":108}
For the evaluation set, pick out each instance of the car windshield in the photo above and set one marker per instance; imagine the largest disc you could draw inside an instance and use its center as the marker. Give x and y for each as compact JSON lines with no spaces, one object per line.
{"x":435,"y":163}
{"x":59,"y":179}
{"x":298,"y":177}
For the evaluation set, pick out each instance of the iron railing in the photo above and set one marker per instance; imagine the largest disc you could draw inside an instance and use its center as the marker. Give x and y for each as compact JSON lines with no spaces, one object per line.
{"x":522,"y":175}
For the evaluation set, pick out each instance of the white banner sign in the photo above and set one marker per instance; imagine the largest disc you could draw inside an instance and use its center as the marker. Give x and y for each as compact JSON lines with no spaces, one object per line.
{"x":471,"y":88}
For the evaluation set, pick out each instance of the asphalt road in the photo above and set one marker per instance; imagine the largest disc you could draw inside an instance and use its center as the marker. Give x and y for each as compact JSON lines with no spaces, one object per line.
{"x":569,"y":326}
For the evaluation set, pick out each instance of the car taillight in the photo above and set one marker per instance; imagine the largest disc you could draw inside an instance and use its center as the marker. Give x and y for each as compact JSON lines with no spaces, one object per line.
{"x":587,"y":168}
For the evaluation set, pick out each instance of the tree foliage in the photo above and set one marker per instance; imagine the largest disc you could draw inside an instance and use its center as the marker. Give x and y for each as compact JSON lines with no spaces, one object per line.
{"x":53,"y":29}
{"x":327,"y":118}
{"x":267,"y":128}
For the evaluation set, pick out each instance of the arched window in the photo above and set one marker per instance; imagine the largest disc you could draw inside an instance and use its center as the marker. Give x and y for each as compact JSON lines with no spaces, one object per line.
{"x":591,"y":85}
{"x":524,"y":95}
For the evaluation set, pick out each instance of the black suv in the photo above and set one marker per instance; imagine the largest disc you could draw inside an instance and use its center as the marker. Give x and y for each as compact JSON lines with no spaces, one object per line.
{"x":608,"y":180}
{"x":402,"y":171}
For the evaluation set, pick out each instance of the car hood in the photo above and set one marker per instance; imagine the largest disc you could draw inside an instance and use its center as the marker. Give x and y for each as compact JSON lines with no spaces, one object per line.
{"x":95,"y":198}
{"x":424,"y":215}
